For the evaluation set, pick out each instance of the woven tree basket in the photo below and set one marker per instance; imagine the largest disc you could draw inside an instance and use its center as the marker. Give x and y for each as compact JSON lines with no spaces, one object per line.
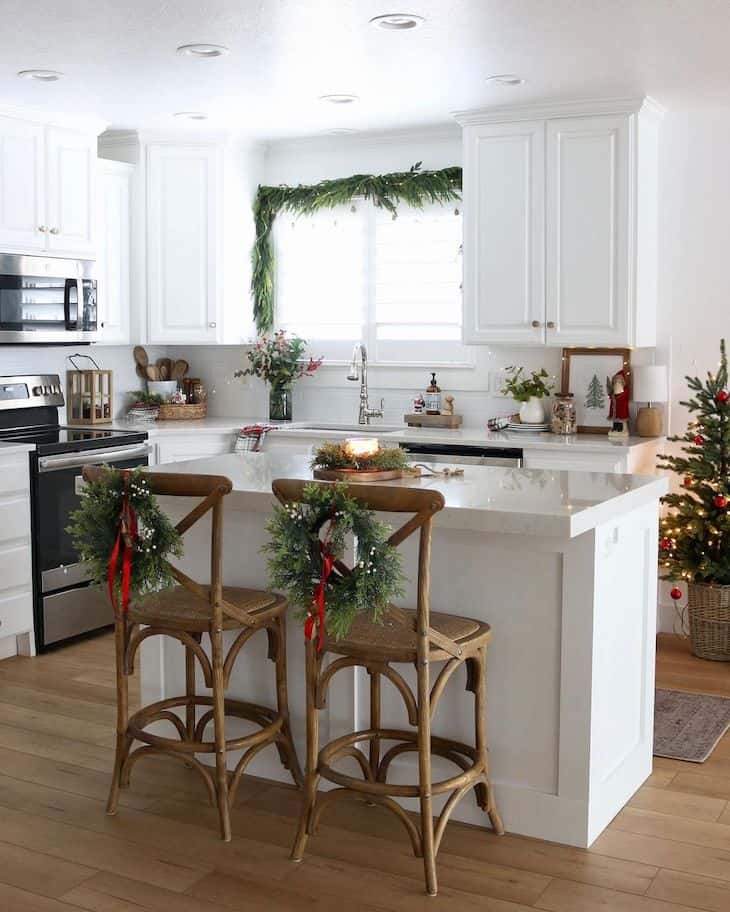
{"x":708,"y":611}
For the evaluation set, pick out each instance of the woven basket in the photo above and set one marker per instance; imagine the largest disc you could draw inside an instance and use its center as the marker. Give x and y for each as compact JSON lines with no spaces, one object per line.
{"x":188,"y":412}
{"x":708,"y":610}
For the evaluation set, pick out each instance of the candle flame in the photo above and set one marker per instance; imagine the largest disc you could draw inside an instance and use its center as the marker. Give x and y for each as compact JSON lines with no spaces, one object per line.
{"x":367,"y":446}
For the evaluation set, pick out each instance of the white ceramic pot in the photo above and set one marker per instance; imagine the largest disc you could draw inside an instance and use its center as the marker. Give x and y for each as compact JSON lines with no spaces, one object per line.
{"x":532,"y":412}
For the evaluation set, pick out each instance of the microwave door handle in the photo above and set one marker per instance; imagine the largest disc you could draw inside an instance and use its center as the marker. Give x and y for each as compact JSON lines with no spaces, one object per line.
{"x":69,"y":324}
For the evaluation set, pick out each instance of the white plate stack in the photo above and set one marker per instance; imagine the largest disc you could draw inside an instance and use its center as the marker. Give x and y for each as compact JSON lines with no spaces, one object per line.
{"x":525,"y":427}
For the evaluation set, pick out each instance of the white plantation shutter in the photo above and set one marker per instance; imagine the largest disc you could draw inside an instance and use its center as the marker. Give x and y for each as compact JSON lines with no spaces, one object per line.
{"x":347,"y":276}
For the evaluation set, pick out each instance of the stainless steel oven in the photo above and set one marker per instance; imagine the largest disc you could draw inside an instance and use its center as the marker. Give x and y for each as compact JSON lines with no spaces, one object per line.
{"x":47,"y":300}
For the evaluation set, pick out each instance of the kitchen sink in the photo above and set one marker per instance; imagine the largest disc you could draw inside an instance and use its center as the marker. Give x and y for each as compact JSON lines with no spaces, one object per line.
{"x":366,"y":429}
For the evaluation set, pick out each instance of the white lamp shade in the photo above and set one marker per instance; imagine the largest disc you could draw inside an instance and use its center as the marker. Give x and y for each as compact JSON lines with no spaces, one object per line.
{"x":649,"y":384}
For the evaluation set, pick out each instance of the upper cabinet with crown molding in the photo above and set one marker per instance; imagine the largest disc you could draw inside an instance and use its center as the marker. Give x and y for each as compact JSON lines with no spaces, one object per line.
{"x":47,"y":187}
{"x":560,"y":228}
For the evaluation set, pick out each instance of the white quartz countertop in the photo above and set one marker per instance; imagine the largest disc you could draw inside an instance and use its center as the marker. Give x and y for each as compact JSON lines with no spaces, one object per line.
{"x":484,"y":499}
{"x":469,"y":436}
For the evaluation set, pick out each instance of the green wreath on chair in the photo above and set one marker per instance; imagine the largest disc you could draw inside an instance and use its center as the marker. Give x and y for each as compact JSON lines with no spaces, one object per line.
{"x":307,"y":545}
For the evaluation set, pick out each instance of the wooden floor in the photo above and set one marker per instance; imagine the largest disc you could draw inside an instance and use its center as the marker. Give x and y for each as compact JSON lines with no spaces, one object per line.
{"x":668,"y":851}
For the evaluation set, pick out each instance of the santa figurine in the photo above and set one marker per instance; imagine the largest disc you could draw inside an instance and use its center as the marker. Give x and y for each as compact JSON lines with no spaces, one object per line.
{"x":618,"y":392}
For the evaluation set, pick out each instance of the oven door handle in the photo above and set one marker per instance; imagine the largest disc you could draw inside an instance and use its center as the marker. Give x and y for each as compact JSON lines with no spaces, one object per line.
{"x":95,"y":457}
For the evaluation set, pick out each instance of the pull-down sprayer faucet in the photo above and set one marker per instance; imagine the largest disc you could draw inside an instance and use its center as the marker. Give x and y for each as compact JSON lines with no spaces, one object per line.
{"x":360,"y":372}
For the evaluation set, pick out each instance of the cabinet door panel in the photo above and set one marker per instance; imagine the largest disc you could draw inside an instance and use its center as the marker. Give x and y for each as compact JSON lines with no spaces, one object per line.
{"x":182,"y":244}
{"x":588,"y":231}
{"x":71,"y":173}
{"x":113,"y":251}
{"x":504,"y":285}
{"x":22,"y":170}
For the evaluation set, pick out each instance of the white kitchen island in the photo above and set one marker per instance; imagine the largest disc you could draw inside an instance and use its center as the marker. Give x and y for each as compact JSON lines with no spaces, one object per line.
{"x":563,"y":567}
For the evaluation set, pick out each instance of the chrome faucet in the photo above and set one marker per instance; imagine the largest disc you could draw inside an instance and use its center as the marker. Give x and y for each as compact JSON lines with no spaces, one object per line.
{"x":361,"y":373}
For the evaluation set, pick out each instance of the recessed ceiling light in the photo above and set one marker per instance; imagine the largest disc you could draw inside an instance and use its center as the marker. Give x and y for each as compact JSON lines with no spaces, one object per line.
{"x":507,"y":79}
{"x":41,"y":75}
{"x":339,"y":99}
{"x":397,"y":22}
{"x":190,"y":115}
{"x":340,"y":131}
{"x":204,"y":51}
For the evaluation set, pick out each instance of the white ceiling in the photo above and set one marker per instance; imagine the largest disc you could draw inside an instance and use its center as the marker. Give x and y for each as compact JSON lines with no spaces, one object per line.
{"x":120,"y":62}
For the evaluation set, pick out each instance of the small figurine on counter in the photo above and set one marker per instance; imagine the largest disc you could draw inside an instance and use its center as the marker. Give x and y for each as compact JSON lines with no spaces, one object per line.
{"x":419,"y":404}
{"x":448,"y":407}
{"x":618,"y":392}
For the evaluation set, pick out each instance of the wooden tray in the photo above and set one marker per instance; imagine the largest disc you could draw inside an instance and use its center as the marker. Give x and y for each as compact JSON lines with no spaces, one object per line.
{"x":170,"y":411}
{"x":361,"y":476}
{"x":443,"y":421}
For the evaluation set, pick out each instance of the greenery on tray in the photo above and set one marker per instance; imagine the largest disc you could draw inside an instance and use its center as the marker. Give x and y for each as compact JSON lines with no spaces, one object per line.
{"x":522,"y":387}
{"x":309,"y":539}
{"x":145,"y":399}
{"x":279,"y":360}
{"x":96,"y":525}
{"x":414,"y":188}
{"x":695,"y":531}
{"x":332,"y":455}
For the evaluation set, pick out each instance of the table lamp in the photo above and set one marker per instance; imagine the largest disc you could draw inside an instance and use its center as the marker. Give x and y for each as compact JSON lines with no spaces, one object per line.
{"x":649,"y":384}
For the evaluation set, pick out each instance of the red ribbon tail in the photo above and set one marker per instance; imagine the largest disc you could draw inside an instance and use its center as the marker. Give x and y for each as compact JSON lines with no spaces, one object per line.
{"x":113,"y":560}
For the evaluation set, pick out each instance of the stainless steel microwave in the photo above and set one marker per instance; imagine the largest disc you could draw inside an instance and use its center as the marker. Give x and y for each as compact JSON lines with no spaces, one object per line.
{"x":47,"y":299}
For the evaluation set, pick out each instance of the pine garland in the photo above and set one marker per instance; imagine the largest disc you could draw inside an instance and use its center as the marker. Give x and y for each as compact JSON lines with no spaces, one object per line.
{"x":295,"y":562}
{"x":695,"y":534}
{"x":94,"y":526}
{"x":414,"y":187}
{"x":334,"y":455}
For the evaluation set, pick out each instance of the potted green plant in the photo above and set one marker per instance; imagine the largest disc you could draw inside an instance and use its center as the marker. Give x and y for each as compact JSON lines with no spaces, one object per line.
{"x":529,"y":391}
{"x":279,"y":361}
{"x":694,"y":542}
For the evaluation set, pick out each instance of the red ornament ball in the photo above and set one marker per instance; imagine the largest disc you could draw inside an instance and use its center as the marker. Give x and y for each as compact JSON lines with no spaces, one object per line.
{"x":687,"y":481}
{"x":698,"y":439}
{"x":676,"y":593}
{"x":722,"y":396}
{"x":665,"y":544}
{"x":720,"y":501}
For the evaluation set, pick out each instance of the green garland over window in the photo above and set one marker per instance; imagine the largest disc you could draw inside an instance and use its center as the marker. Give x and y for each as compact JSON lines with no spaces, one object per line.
{"x":414,"y":187}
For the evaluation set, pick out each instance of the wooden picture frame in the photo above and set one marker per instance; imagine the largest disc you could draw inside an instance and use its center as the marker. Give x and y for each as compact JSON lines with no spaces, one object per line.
{"x":615,"y":359}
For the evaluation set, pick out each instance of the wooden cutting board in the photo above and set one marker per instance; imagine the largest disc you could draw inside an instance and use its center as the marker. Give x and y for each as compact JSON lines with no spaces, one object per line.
{"x":442,"y":421}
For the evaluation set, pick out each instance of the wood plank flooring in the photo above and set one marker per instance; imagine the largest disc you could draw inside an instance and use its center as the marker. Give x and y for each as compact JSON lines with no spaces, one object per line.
{"x":667,"y":851}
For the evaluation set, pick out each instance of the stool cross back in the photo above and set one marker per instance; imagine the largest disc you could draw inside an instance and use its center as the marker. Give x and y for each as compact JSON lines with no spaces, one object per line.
{"x":186,"y":612}
{"x":417,"y":637}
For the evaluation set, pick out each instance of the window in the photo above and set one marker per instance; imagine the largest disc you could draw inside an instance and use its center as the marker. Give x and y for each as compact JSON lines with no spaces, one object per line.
{"x":356,"y":274}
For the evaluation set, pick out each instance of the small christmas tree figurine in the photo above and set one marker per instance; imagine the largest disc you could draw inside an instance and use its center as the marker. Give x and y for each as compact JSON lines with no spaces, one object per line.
{"x":694,"y":542}
{"x":595,"y":398}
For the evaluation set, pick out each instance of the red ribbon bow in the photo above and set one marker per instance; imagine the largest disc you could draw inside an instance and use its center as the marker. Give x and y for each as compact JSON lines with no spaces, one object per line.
{"x":318,"y":600}
{"x":124,"y":544}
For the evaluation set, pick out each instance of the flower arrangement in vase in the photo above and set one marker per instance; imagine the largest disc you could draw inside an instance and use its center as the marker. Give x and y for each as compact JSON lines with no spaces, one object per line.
{"x":529,"y":391}
{"x":278,"y":360}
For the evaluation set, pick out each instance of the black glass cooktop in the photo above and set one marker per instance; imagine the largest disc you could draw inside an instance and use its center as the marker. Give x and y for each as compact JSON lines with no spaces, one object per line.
{"x":50,"y":439}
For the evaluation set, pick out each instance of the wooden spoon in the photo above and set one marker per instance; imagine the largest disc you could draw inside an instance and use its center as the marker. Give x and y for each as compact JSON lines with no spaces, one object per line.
{"x":153,"y":372}
{"x":179,"y":369}
{"x":165,"y":368}
{"x":141,"y":371}
{"x":140,"y":356}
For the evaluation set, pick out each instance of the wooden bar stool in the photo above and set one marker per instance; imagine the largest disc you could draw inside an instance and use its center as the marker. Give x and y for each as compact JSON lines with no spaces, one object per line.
{"x":186,"y":612}
{"x":407,"y":636}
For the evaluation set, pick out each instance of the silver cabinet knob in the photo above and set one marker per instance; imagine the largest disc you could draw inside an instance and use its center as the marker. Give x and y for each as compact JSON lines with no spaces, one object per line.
{"x":550,"y":324}
{"x":212,"y":325}
{"x":55,"y":231}
{"x":535,"y":324}
{"x":42,"y":228}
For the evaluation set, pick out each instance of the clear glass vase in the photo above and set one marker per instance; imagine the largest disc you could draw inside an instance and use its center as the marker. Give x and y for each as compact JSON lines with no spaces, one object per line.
{"x":280,"y":403}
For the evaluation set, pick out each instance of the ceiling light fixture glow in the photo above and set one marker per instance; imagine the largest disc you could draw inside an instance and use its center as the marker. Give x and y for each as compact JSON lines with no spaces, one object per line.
{"x":507,"y":79}
{"x":41,"y":75}
{"x":203,"y":51}
{"x":340,"y":131}
{"x":339,"y":99}
{"x":190,"y":115}
{"x":397,"y":22}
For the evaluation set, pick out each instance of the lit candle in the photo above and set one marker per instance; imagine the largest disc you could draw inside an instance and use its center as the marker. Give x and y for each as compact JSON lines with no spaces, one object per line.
{"x":360,"y":447}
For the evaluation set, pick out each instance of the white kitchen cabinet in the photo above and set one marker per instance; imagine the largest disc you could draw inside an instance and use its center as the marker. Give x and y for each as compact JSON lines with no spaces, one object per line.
{"x":170,"y":448}
{"x":47,"y":178}
{"x":113,"y":236}
{"x":70,"y":183}
{"x":504,"y":249}
{"x":561,"y":224}
{"x":22,"y":186}
{"x":183,"y":213}
{"x":16,"y":576}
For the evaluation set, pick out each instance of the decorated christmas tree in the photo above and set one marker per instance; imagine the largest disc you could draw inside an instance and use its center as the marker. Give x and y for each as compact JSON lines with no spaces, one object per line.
{"x":595,"y":398}
{"x":694,"y":541}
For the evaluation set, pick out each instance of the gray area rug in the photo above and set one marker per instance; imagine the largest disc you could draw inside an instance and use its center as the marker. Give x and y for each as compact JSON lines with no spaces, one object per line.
{"x":688,"y":726}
